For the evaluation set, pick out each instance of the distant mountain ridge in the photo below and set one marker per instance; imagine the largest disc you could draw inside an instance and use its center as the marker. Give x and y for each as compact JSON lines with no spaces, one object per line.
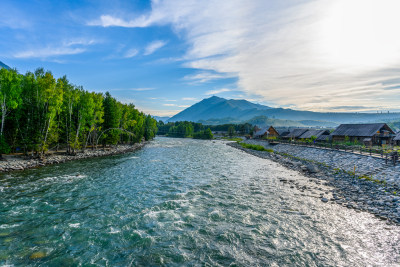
{"x":217,"y":107}
{"x":220,"y":109}
{"x":2,"y":65}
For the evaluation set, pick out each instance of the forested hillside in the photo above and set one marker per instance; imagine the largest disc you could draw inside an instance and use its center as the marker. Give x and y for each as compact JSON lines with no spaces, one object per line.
{"x":40,"y":112}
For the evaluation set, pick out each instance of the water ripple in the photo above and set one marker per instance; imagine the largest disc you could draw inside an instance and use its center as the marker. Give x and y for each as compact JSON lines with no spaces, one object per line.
{"x":181,"y":202}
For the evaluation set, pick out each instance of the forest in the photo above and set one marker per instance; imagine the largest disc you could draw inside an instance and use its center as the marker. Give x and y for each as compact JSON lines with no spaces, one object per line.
{"x":184,"y":129}
{"x":40,"y":112}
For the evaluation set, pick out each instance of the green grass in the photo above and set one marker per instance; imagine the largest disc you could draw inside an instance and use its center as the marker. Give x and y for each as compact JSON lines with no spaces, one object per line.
{"x":256,"y":147}
{"x":236,"y":139}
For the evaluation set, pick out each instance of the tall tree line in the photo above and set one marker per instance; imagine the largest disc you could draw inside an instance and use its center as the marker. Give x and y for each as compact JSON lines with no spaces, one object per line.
{"x":40,"y":112}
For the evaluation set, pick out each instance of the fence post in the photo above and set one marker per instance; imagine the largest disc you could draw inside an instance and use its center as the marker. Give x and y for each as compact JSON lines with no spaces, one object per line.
{"x":370,"y":151}
{"x":386,"y":158}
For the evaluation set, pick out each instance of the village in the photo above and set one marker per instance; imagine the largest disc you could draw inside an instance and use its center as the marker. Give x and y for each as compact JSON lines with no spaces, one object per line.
{"x":374,"y":139}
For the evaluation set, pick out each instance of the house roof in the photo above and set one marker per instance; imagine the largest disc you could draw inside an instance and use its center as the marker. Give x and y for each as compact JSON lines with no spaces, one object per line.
{"x":323,"y":137}
{"x":361,"y":130}
{"x":260,"y":132}
{"x":397,"y":137}
{"x":316,"y":133}
{"x":295,"y":133}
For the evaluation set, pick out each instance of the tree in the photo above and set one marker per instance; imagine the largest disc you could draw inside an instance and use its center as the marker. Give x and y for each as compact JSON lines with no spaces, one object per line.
{"x":150,"y":128}
{"x":112,"y":114}
{"x":10,"y":90}
{"x":231,"y":131}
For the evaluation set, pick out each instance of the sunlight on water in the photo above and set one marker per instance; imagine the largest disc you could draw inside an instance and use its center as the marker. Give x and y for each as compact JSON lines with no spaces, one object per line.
{"x":181,"y":202}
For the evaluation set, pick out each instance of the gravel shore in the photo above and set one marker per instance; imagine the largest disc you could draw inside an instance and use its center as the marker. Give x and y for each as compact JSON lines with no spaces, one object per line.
{"x":376,"y":197}
{"x":18,"y":163}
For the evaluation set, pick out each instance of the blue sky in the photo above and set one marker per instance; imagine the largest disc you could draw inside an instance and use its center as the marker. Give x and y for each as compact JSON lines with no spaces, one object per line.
{"x":164,"y":56}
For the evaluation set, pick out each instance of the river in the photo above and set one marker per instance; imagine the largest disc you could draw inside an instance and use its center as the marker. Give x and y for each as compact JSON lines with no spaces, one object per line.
{"x":181,"y":202}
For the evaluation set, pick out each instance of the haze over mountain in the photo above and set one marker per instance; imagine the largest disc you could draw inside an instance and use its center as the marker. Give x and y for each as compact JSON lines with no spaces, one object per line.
{"x":220,"y":110}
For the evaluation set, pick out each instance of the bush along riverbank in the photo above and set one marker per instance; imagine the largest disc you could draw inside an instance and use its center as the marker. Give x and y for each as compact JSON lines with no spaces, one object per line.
{"x":359,"y":192}
{"x":18,"y":163}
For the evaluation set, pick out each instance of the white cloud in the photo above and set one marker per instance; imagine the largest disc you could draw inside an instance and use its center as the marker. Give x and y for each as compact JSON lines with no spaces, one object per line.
{"x":153,"y":46}
{"x":131,"y":53}
{"x":203,"y":77}
{"x":317,"y":55}
{"x":67,"y":47}
{"x":170,"y":105}
{"x":110,"y":21}
{"x":49,"y":52}
{"x":142,"y":89}
{"x":216,"y":92}
{"x":184,"y":106}
{"x":189,"y":99}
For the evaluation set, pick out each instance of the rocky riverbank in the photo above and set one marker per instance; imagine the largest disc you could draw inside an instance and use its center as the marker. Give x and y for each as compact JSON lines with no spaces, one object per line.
{"x":18,"y":163}
{"x":354,"y":192}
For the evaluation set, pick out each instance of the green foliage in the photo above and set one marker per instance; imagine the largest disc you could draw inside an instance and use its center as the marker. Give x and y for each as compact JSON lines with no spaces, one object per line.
{"x":206,"y":134}
{"x":4,"y":147}
{"x":39,"y":112}
{"x":256,"y":147}
{"x":236,"y":139}
{"x":231,"y":131}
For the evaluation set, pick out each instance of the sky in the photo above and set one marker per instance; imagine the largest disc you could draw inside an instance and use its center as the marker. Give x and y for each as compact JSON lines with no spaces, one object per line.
{"x":165,"y":55}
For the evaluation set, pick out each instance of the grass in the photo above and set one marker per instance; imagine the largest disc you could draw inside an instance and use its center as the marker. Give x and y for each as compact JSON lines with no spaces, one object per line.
{"x":236,"y":139}
{"x":256,"y":147}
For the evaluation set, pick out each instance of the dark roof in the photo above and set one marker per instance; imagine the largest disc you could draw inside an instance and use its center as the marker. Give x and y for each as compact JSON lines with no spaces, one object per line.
{"x":323,"y":137}
{"x":316,"y":133}
{"x":397,"y":138}
{"x":260,"y":132}
{"x":366,"y":130}
{"x":295,"y":133}
{"x":284,"y":133}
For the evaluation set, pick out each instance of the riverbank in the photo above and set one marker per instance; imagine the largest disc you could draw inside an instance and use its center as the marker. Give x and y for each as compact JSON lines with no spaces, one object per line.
{"x":360,"y":193}
{"x":18,"y":163}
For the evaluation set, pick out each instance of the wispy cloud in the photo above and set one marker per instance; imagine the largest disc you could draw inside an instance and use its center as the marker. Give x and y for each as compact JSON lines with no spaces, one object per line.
{"x":203,"y":77}
{"x":111,"y":21}
{"x":67,"y":47}
{"x":142,"y":89}
{"x":131,"y":53}
{"x":289,"y":52}
{"x":216,"y":92}
{"x":49,"y":52}
{"x":170,"y":105}
{"x":153,"y":46}
{"x":189,"y":99}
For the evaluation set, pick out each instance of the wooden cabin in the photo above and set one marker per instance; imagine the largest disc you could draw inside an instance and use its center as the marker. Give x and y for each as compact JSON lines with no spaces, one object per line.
{"x":369,"y":134}
{"x":317,"y":133}
{"x":260,"y":133}
{"x":266,"y":132}
{"x":272,"y":132}
{"x":293,"y":134}
{"x":396,"y":139}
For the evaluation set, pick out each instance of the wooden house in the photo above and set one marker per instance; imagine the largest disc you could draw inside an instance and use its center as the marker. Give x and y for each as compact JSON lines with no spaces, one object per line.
{"x":266,"y":132}
{"x":272,"y":132}
{"x":396,"y":139}
{"x":260,"y":133}
{"x":317,"y":133}
{"x":370,"y":133}
{"x":293,"y":134}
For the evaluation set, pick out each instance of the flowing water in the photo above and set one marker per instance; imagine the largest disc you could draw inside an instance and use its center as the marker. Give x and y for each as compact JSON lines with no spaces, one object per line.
{"x":181,"y":202}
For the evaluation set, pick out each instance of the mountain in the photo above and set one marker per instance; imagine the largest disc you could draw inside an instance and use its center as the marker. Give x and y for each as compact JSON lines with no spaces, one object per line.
{"x":217,"y":107}
{"x":2,"y":65}
{"x":158,"y":118}
{"x":220,"y":110}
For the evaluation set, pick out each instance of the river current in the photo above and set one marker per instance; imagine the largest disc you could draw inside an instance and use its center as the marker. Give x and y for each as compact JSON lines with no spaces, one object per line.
{"x":181,"y":202}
